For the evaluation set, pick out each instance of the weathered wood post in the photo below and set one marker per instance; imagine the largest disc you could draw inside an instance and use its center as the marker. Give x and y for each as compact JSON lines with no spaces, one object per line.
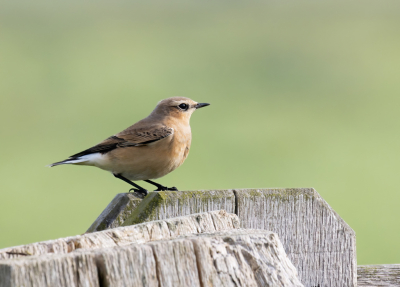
{"x":184,"y":238}
{"x":197,"y":250}
{"x":318,"y":242}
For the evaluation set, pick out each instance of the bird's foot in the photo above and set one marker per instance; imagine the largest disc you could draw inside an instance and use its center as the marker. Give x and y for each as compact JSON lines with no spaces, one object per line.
{"x":164,"y":188}
{"x":144,"y":192}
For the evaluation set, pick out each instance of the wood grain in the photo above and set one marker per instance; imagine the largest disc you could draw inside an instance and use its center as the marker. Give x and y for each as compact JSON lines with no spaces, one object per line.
{"x":228,"y":258}
{"x":61,"y":270}
{"x":167,"y":204}
{"x":378,"y":275}
{"x":318,"y":242}
{"x":243,"y":258}
{"x":140,"y":233}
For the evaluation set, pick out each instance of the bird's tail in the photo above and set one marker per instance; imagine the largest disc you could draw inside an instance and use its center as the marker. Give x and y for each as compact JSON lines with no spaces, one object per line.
{"x":68,"y":161}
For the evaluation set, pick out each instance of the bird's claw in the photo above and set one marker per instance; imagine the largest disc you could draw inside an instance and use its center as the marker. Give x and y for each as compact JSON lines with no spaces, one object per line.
{"x":164,"y":188}
{"x":142,"y":191}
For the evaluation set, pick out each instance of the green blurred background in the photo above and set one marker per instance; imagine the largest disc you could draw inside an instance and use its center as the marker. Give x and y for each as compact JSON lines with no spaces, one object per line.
{"x":303,"y":94}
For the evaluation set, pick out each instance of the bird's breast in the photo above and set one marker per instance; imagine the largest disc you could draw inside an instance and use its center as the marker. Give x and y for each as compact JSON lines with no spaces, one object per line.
{"x":180,"y":148}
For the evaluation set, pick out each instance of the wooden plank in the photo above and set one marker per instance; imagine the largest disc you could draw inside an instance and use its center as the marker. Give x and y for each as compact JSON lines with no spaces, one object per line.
{"x":318,"y":242}
{"x":155,"y":230}
{"x":228,"y":258}
{"x":378,"y":275}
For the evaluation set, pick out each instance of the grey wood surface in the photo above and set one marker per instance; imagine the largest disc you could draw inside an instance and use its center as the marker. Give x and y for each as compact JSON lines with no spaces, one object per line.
{"x":228,"y":258}
{"x":320,"y":244}
{"x":167,"y":204}
{"x":155,"y":230}
{"x":378,"y":275}
{"x":244,"y":258}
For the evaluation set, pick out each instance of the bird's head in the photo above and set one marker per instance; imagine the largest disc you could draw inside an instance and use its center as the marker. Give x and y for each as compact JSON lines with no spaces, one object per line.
{"x":178,"y":107}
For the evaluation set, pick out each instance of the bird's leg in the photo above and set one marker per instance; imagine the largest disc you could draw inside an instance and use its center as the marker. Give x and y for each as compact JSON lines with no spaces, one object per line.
{"x":138,"y":188}
{"x":160,"y":187}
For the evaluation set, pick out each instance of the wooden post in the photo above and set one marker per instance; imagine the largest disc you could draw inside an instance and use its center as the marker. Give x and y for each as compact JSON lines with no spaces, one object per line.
{"x":320,"y":244}
{"x":229,"y":258}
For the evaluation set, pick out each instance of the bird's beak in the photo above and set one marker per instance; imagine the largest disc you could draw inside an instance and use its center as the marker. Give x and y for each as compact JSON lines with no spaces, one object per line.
{"x":200,"y":105}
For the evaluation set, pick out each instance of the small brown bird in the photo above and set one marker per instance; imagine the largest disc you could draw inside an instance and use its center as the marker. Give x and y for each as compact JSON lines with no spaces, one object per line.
{"x":149,"y":149}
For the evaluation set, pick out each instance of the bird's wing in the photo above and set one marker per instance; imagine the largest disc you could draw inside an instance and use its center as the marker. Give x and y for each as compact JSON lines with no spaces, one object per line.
{"x":131,"y":137}
{"x":144,"y":135}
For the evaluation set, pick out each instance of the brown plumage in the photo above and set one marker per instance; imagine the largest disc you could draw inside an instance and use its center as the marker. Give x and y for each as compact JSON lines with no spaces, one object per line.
{"x":149,"y":149}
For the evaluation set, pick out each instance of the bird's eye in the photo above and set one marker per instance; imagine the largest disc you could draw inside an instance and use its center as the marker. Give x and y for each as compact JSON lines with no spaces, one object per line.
{"x":183,"y":107}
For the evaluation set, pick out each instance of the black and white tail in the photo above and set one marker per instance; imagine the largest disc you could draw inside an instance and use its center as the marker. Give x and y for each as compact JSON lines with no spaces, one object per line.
{"x":70,"y":161}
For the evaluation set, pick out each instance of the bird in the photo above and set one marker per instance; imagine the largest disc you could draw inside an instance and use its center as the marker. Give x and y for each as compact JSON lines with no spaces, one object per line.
{"x":148,"y":149}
